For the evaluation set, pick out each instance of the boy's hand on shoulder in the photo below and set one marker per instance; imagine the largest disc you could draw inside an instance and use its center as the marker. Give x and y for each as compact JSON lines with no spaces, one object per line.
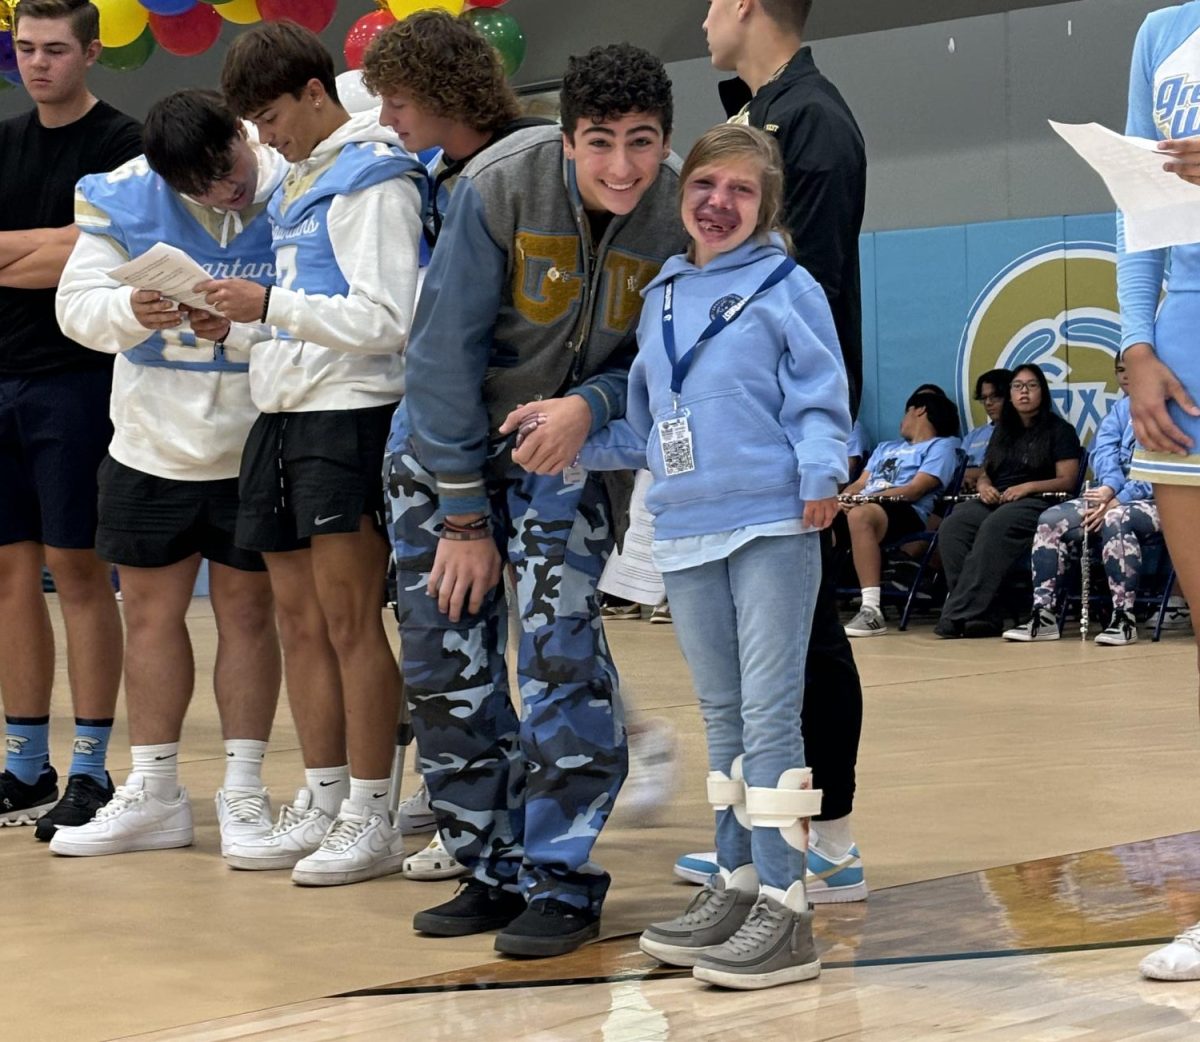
{"x":554,"y":444}
{"x":238,"y":300}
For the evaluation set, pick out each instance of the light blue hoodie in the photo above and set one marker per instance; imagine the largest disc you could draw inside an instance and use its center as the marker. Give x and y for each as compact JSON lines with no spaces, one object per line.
{"x":1112,"y":453}
{"x":766,"y":398}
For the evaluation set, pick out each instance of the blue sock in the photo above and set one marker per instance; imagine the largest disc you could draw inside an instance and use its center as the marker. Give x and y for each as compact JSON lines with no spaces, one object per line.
{"x":27,"y":746}
{"x":91,"y":748}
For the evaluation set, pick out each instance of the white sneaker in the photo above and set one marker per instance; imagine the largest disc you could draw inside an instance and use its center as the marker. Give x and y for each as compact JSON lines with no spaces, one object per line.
{"x":651,"y":779}
{"x":1121,"y":630}
{"x":1043,"y":626}
{"x":359,"y":845}
{"x":297,"y":832}
{"x":1178,"y":615}
{"x":661,"y":615}
{"x":242,"y":814}
{"x":867,"y":623}
{"x":1179,"y":960}
{"x":414,"y":814}
{"x":134,"y":819}
{"x":434,"y":862}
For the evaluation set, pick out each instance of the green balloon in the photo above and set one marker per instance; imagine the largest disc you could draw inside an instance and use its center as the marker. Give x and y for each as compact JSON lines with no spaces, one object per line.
{"x":132,"y":55}
{"x":503,"y":32}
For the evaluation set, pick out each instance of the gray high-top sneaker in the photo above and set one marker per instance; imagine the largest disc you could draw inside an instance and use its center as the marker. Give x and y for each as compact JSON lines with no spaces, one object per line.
{"x":773,"y":946}
{"x":713,"y":916}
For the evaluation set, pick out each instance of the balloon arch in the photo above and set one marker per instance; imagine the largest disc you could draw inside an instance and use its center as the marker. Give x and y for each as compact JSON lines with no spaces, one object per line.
{"x":132,"y":30}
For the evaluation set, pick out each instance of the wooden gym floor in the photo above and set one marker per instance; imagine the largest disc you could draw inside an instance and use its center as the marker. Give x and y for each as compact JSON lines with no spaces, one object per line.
{"x":1011,"y":800}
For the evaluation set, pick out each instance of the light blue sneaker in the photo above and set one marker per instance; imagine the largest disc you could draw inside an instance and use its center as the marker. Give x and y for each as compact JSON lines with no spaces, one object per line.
{"x":696,"y":868}
{"x":834,"y":882}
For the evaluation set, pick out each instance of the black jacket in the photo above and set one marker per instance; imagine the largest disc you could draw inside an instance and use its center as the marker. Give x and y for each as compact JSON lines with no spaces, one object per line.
{"x":825,"y":179}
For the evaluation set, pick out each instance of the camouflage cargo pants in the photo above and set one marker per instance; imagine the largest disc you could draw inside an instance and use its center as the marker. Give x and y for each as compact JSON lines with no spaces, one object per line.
{"x":519,"y":801}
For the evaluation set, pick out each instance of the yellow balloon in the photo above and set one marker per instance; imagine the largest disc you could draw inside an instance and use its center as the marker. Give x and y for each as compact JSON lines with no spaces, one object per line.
{"x":121,"y":21}
{"x":403,"y":8}
{"x":242,"y":12}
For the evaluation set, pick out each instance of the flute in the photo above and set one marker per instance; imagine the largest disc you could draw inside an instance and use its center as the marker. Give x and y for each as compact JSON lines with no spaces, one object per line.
{"x":1057,"y":497}
{"x":1085,"y":573}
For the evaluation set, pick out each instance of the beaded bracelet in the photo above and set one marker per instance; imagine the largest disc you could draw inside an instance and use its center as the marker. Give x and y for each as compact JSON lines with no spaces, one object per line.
{"x":470,"y":526}
{"x":465,"y":537}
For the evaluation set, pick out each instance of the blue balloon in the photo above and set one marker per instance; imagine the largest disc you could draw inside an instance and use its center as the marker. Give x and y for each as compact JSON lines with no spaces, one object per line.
{"x":168,"y":7}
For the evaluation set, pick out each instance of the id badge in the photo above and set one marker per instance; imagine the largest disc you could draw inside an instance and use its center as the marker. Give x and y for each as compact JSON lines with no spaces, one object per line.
{"x":573,"y":474}
{"x":675,"y":437}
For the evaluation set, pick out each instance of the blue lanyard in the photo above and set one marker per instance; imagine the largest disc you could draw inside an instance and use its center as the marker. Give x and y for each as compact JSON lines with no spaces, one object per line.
{"x":681,"y":366}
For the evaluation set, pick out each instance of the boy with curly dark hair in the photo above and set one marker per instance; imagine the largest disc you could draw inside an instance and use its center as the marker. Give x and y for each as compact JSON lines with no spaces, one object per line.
{"x":533,"y":294}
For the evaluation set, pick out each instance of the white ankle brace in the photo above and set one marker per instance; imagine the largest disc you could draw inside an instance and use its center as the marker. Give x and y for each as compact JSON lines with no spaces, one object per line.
{"x":725,"y":791}
{"x":786,"y":807}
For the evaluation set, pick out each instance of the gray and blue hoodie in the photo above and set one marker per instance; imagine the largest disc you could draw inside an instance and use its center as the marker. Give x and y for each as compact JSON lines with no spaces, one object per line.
{"x":765,"y":398}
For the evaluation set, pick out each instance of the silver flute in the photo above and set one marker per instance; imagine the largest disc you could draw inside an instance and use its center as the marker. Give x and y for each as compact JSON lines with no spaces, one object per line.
{"x":1057,"y":497}
{"x":1085,"y":573}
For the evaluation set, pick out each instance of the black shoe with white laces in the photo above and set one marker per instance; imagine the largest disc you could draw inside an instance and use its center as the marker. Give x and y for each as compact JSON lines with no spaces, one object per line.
{"x":476,"y":908}
{"x":22,"y":804}
{"x":82,"y":797}
{"x":548,"y":927}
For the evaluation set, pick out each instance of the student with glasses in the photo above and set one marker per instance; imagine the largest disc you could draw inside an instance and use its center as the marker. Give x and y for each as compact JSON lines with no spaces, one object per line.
{"x":991,"y":391}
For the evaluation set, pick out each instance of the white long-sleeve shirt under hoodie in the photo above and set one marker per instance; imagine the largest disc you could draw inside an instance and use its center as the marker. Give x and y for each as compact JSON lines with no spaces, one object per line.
{"x":185,"y":425}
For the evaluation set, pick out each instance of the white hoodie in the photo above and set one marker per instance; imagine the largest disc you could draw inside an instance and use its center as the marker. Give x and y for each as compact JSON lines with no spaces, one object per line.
{"x":173,"y":423}
{"x":346,"y":352}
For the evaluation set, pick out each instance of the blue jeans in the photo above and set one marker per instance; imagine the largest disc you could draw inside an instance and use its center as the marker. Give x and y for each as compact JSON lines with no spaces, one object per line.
{"x":743,"y":624}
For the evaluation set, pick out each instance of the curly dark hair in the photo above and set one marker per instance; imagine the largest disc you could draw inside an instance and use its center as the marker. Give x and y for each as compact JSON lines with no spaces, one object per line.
{"x":610,"y":82}
{"x":271,"y":60}
{"x":445,"y":66}
{"x":188,"y":139}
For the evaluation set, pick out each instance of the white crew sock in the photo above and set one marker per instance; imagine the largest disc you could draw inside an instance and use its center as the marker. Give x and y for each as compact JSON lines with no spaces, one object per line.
{"x":832,"y":838}
{"x":329,"y":786}
{"x":370,"y":794}
{"x":243,"y":763}
{"x":871,"y":597}
{"x":159,"y":766}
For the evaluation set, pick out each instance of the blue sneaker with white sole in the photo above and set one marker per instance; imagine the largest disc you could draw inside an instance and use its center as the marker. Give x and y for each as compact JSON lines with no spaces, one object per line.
{"x":834,"y":882}
{"x":696,"y":868}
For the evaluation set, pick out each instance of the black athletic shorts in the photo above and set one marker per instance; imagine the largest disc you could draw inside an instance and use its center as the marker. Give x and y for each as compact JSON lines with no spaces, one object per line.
{"x":902,"y":519}
{"x":54,"y":432}
{"x":151,"y":522}
{"x":311,"y":473}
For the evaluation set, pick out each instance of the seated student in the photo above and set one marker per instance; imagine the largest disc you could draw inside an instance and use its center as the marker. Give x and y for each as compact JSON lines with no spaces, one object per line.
{"x":531,"y":294}
{"x":459,"y":115}
{"x":347,"y":227}
{"x":991,"y":388}
{"x":1121,"y":511}
{"x":906,"y":475}
{"x":181,"y":410}
{"x":1033,"y":452}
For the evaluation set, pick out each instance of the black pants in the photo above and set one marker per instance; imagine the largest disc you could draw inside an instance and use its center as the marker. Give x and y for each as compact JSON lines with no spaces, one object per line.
{"x":979,"y":545}
{"x":832,"y":717}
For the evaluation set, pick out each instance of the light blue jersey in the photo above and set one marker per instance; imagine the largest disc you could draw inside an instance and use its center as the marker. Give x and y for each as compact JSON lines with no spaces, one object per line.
{"x":305,"y":258}
{"x":895,"y":463}
{"x":975,"y":444}
{"x":1164,"y":102}
{"x":137,"y":209}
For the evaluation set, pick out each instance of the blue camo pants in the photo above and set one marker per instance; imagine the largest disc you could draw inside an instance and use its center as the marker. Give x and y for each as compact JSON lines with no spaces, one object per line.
{"x":518,"y":801}
{"x":1125,"y":527}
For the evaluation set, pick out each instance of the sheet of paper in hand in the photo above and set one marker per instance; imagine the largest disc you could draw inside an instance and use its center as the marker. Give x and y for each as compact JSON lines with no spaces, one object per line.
{"x":167,"y":270}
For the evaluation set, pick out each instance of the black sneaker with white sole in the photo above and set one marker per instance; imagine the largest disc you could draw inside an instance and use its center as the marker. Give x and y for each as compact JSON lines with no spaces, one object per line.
{"x":1042,"y":626}
{"x":548,"y":927}
{"x":81,"y":799}
{"x":22,"y":804}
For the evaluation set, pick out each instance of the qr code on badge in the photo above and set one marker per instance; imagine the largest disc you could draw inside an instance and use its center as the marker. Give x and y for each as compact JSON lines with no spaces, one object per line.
{"x":676,"y":440}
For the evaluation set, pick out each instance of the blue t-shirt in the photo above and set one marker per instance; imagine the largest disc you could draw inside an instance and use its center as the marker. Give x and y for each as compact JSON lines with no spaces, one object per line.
{"x":895,"y":463}
{"x":975,"y":444}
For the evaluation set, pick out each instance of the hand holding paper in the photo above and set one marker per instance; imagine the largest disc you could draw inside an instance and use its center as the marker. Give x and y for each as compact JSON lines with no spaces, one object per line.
{"x":1160,"y":209}
{"x":167,"y":271}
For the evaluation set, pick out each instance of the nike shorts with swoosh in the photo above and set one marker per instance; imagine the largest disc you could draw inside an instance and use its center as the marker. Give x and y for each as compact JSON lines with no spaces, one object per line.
{"x":152,"y":522}
{"x":308,"y":474}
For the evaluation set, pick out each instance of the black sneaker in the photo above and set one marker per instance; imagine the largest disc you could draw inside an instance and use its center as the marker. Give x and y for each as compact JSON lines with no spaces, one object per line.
{"x":82,"y":797}
{"x":22,"y":804}
{"x":476,"y":908}
{"x":548,"y":927}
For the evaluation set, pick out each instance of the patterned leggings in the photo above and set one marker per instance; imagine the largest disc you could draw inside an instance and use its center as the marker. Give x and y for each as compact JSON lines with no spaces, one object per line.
{"x":1126,"y":526}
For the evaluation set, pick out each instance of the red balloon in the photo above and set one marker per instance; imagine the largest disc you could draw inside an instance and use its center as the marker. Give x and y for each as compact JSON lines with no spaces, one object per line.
{"x":312,"y":14}
{"x":362,"y":33}
{"x":187,"y":34}
{"x":486,"y":3}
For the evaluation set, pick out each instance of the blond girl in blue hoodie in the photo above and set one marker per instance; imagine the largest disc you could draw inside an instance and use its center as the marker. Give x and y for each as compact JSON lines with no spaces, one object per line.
{"x":737,"y":406}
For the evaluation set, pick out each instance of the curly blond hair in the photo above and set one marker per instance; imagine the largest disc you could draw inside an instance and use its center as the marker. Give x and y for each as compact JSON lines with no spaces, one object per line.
{"x":445,"y":66}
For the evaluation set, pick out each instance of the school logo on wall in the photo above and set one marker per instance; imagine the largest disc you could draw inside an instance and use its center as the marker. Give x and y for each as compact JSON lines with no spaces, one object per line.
{"x":1055,"y":306}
